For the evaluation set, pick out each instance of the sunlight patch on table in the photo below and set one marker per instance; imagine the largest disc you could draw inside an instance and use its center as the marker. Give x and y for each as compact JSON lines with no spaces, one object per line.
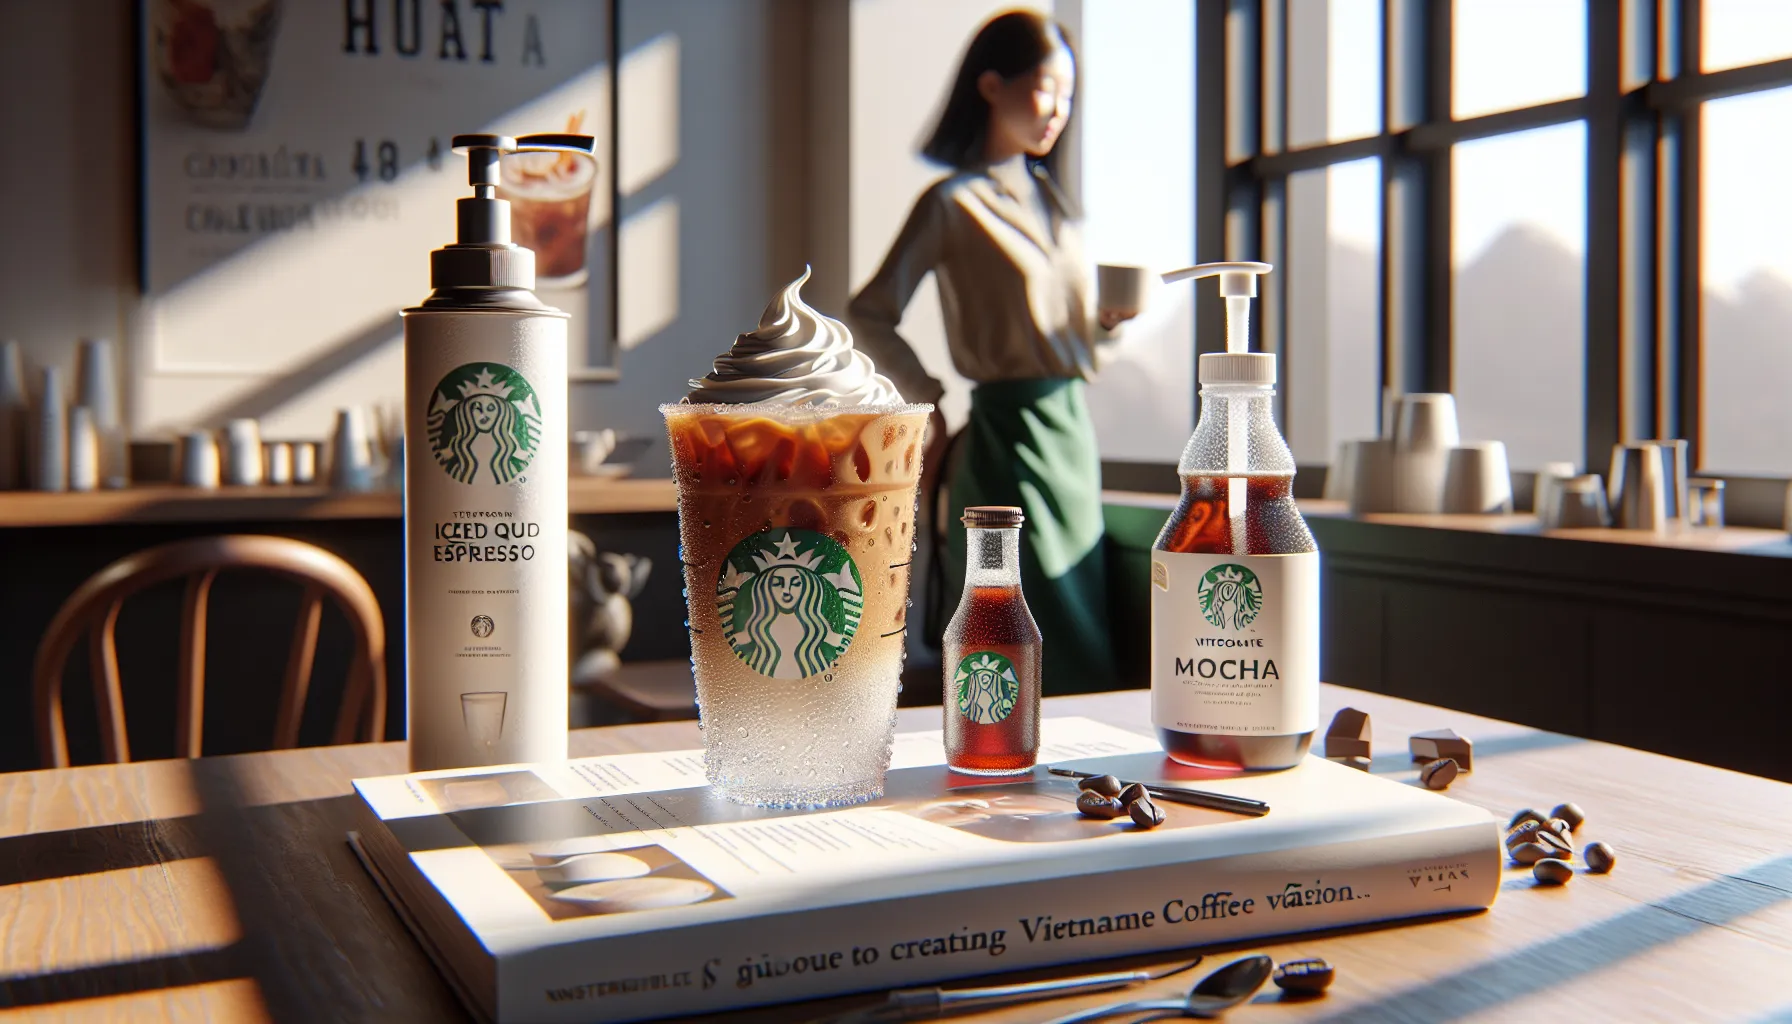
{"x":237,"y":1000}
{"x":118,"y":916}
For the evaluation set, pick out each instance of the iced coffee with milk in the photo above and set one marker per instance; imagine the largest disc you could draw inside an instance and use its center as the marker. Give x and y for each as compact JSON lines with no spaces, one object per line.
{"x":797,"y":465}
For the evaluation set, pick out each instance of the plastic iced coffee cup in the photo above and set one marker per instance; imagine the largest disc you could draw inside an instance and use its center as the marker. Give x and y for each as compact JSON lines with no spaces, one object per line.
{"x":798,"y":527}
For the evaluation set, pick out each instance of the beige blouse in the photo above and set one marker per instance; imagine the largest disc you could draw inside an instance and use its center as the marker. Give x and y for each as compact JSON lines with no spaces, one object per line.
{"x":1014,"y":291}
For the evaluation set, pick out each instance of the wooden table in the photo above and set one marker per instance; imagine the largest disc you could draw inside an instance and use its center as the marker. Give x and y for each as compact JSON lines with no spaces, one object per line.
{"x":222,"y":889}
{"x":168,"y":503}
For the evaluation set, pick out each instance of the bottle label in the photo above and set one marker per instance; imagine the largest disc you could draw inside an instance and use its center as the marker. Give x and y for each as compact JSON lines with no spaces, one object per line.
{"x":486,"y":580}
{"x":1235,"y":643}
{"x":986,"y":687}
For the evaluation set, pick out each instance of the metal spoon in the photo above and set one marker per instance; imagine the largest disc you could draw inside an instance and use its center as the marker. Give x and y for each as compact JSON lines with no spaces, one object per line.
{"x":1211,"y":996}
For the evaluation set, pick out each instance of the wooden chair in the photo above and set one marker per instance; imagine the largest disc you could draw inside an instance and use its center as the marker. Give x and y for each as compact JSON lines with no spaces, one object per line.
{"x":93,"y":609}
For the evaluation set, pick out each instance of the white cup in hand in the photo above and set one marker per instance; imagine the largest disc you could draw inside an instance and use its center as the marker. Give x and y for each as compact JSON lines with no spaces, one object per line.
{"x":1120,"y":290}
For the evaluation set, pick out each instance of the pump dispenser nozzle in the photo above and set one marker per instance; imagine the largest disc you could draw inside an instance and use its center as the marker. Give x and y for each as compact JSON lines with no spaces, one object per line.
{"x":482,"y":255}
{"x":1238,"y":285}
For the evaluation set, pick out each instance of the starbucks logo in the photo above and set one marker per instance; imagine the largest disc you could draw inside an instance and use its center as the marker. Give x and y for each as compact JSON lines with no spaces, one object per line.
{"x":483,"y":626}
{"x":1230,"y":596}
{"x":484,"y":423}
{"x":790,"y":601}
{"x":986,"y":686}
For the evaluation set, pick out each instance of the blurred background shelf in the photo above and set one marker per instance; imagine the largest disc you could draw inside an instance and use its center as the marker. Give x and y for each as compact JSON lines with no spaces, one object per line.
{"x":165,"y":503}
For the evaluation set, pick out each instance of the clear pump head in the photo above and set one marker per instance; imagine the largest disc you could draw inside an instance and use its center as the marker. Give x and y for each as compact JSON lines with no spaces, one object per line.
{"x":1238,"y":285}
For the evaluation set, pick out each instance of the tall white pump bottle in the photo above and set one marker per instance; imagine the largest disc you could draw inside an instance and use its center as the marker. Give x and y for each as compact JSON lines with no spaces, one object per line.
{"x":485,"y":516}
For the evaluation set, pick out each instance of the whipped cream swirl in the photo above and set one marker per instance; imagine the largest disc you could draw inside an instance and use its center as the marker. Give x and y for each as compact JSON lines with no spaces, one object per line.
{"x":796,"y":357}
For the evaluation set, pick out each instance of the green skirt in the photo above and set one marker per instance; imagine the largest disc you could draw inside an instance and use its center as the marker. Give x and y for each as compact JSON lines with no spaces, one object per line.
{"x":1031,"y":443}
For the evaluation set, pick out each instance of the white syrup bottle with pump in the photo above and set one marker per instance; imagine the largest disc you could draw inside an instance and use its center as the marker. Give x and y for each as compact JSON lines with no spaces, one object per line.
{"x":485,"y":515}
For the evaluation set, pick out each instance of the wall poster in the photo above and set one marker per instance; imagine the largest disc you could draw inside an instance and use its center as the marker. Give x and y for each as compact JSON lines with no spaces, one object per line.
{"x":297,"y":173}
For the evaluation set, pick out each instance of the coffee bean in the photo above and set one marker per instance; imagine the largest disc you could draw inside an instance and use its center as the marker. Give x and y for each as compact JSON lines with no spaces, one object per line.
{"x":1571,"y":814}
{"x":1552,"y":872}
{"x":1559,"y":826}
{"x":1599,"y":857}
{"x":1558,"y":847}
{"x":1132,"y":794}
{"x":1523,"y":816}
{"x":1094,"y":805}
{"x":1522,"y":832}
{"x":1307,"y":977}
{"x":1528,"y":854}
{"x":1145,"y":814}
{"x":1439,"y":774}
{"x":1106,"y":785}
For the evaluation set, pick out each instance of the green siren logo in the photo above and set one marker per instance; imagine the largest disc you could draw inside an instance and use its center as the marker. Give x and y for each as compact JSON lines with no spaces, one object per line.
{"x":1230,"y":596}
{"x":987,"y":687}
{"x":790,"y":601}
{"x":484,"y":423}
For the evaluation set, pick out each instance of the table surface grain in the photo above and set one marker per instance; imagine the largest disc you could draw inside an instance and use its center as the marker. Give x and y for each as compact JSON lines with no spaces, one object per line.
{"x":222,"y":889}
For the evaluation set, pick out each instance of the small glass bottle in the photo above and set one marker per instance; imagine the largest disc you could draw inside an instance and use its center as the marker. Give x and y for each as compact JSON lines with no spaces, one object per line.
{"x":991,"y":654}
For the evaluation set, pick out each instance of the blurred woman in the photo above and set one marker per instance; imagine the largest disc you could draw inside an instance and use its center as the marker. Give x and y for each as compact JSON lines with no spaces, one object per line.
{"x":1001,"y":239}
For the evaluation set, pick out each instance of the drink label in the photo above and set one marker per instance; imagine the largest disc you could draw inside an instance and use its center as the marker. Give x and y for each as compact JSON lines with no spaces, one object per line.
{"x":1235,"y":643}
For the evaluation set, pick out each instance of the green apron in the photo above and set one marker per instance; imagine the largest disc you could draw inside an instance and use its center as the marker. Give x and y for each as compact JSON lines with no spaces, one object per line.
{"x":1031,"y":443}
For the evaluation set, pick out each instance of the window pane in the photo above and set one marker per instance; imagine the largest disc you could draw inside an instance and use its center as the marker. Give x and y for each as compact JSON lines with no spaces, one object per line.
{"x":1746,"y":274}
{"x":1517,"y":53}
{"x":1519,"y":238}
{"x":1334,"y":70}
{"x":1738,"y":32}
{"x":1333,"y":372}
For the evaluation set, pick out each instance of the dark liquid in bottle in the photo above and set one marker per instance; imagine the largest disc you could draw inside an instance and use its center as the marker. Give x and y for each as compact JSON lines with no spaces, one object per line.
{"x":993,"y":620}
{"x":1202,"y":524}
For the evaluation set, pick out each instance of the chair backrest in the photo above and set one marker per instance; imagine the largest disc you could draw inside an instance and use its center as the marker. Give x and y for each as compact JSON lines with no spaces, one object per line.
{"x":93,"y":610}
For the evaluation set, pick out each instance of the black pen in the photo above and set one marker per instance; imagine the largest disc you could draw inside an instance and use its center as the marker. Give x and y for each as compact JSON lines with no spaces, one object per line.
{"x":1192,"y":797}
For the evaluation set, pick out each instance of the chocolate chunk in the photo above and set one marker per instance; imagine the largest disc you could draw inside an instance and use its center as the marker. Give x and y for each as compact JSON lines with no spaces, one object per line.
{"x":1133,"y":793}
{"x":1439,"y":774}
{"x":1359,"y":763}
{"x":1094,"y":805}
{"x":1523,"y":832}
{"x":1307,"y":977}
{"x":1528,"y":853}
{"x":1145,"y":814}
{"x":1429,"y":746}
{"x":1106,"y":785}
{"x":1526,"y":815}
{"x":1552,"y":872}
{"x":1348,"y":735}
{"x":1571,"y":814}
{"x":1599,"y":857}
{"x":1558,"y":846}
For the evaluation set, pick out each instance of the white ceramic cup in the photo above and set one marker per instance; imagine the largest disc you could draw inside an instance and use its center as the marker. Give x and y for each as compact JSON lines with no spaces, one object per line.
{"x":83,"y":450}
{"x":351,"y":455}
{"x":1342,"y":473}
{"x":199,"y":459}
{"x":1477,"y":479}
{"x":1577,"y":502}
{"x":589,"y":449}
{"x":1549,"y":476}
{"x":1121,"y":288}
{"x":242,"y":453}
{"x":1422,"y":442}
{"x":304,"y":462}
{"x":276,"y":458}
{"x":1372,"y":482}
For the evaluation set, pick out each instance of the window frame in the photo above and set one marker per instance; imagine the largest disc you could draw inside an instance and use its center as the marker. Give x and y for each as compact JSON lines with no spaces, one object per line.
{"x":1642,"y":110}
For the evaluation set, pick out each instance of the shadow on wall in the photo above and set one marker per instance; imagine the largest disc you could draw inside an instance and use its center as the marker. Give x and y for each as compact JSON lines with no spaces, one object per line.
{"x":695,"y":238}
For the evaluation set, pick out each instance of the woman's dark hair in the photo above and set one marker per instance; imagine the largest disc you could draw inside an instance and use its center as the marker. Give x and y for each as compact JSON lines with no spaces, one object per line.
{"x":1009,"y":44}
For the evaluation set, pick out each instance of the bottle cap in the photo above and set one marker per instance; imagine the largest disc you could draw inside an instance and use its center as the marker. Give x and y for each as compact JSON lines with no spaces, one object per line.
{"x":992,"y":517}
{"x":483,"y":255}
{"x":1257,"y":368}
